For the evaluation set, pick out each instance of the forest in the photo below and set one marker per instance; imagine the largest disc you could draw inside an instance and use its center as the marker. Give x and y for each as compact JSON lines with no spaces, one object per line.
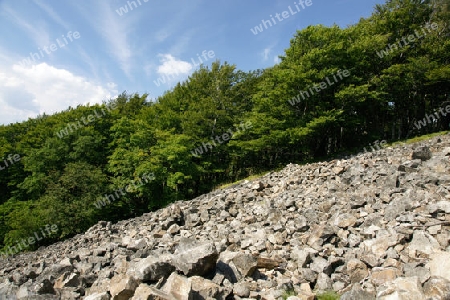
{"x":133,"y":154}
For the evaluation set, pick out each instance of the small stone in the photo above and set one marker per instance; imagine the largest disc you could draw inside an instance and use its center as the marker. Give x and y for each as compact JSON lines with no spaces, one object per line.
{"x":384,"y":275}
{"x":345,"y":220}
{"x":422,"y":244}
{"x":357,"y":270}
{"x":98,"y":296}
{"x":324,"y":282}
{"x":305,"y":292}
{"x":246,"y":264}
{"x":67,"y":280}
{"x":173,"y":229}
{"x":241,"y":289}
{"x":357,"y":294}
{"x":320,"y":265}
{"x":422,"y":153}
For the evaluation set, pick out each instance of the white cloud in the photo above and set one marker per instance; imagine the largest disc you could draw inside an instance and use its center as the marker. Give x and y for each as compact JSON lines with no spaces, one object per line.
{"x":266,"y":53}
{"x":172,"y":66}
{"x":28,"y":91}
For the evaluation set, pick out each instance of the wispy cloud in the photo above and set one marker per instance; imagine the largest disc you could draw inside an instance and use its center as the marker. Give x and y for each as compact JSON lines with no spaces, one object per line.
{"x":116,"y":35}
{"x":35,"y":29}
{"x":182,"y":42}
{"x":52,"y":14}
{"x":162,"y":35}
{"x":87,"y":59}
{"x":104,"y":20}
{"x":266,"y":53}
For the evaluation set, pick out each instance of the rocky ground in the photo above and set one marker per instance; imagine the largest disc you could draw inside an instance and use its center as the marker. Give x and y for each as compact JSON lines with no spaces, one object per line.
{"x":371,"y":226}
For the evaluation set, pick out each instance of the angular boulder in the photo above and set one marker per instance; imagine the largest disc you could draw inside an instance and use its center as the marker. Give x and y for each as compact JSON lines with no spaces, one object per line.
{"x":179,"y":287}
{"x":123,"y":287}
{"x":401,"y":289}
{"x":195,"y":259}
{"x":153,"y":268}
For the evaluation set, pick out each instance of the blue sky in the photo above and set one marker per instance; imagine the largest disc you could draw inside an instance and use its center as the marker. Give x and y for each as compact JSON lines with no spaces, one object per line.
{"x":56,"y":54}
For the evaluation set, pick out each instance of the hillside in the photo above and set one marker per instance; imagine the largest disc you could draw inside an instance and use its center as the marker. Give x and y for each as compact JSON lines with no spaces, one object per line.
{"x":372,"y":225}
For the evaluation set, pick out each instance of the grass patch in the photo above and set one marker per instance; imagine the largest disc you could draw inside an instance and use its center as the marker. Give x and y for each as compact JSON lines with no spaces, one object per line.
{"x":417,"y":139}
{"x":288,"y":293}
{"x":329,"y":295}
{"x":249,"y":178}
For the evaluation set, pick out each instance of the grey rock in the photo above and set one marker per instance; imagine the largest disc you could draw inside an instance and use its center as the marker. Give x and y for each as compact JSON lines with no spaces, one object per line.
{"x":123,"y":287}
{"x":179,"y":287}
{"x":417,"y":270}
{"x":320,"y":265}
{"x":206,"y":289}
{"x":8,"y":289}
{"x":195,"y":259}
{"x":324,"y":282}
{"x":153,"y":268}
{"x":98,"y":296}
{"x":402,"y":289}
{"x":241,"y":289}
{"x":422,"y":244}
{"x":345,"y":220}
{"x":146,"y":292}
{"x":301,"y":256}
{"x":437,"y":288}
{"x":422,"y":153}
{"x":308,"y":275}
{"x":439,"y":264}
{"x":356,"y":270}
{"x":245,"y":264}
{"x":381,"y":276}
{"x":357,"y":294}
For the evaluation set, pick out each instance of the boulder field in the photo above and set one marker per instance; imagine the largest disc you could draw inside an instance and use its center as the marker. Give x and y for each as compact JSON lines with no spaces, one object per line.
{"x":372,"y":226}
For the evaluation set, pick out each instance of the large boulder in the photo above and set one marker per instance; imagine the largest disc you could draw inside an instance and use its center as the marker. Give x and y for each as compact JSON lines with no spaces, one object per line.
{"x":402,"y":288}
{"x":179,"y":287}
{"x":437,"y":288}
{"x":146,"y":292}
{"x":153,"y":268}
{"x":123,"y":287}
{"x":194,"y":258}
{"x":206,"y":289}
{"x":439,"y":264}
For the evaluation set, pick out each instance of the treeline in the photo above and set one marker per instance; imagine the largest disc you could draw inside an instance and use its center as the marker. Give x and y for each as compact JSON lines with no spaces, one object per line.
{"x":335,"y":89}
